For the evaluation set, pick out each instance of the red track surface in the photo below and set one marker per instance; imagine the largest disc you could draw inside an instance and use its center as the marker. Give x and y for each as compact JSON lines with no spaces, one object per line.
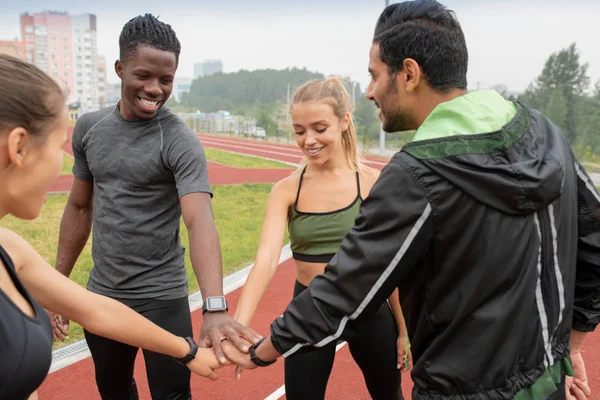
{"x":77,"y":380}
{"x":218,"y":174}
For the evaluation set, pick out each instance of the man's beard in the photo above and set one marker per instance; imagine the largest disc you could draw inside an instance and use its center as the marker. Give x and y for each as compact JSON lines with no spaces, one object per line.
{"x":395,"y":120}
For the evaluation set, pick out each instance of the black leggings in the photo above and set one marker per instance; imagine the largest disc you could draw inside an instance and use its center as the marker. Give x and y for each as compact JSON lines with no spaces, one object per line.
{"x":374,"y":350}
{"x":114,"y":361}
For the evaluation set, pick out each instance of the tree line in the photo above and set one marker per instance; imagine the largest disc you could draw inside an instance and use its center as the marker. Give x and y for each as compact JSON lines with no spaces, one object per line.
{"x":562,"y":91}
{"x":564,"y":94}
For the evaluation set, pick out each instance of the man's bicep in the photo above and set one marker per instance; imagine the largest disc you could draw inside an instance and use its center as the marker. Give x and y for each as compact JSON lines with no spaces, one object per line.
{"x":81,"y":194}
{"x":196,"y":206}
{"x":81,"y":168}
{"x":188,"y":163}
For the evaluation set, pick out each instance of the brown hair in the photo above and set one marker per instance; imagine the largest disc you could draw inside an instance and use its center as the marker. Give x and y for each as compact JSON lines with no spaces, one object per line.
{"x":333,"y":92}
{"x":29,"y":98}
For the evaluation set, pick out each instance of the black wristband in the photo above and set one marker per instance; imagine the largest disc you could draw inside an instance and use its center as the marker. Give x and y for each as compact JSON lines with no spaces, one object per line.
{"x":191,"y":355}
{"x":255,"y":359}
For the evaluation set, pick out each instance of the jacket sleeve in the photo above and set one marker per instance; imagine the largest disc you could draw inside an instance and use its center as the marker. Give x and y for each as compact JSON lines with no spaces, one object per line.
{"x":391,"y":232}
{"x":586,"y":309}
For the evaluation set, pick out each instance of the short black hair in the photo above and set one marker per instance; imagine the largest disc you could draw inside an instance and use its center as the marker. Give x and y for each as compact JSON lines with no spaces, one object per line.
{"x":429,"y":33}
{"x":147,"y":30}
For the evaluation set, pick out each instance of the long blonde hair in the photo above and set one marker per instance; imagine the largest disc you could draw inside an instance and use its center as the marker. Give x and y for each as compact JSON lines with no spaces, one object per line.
{"x":333,"y":92}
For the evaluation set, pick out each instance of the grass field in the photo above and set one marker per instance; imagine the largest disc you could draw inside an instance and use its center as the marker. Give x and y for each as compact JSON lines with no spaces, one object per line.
{"x":67,"y":168}
{"x":238,"y":210}
{"x":239,"y":161}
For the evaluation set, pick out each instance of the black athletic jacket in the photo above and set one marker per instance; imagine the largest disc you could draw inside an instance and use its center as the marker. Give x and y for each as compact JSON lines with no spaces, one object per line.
{"x":494,"y":243}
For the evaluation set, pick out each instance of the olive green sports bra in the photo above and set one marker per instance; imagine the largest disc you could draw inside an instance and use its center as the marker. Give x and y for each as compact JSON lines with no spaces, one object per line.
{"x":317,"y":236}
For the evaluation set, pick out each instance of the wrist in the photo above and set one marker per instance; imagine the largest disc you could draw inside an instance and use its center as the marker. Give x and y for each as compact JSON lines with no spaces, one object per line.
{"x":183,"y":348}
{"x":191,"y":352}
{"x":576,"y":341}
{"x":261,"y":357}
{"x":214,"y":304}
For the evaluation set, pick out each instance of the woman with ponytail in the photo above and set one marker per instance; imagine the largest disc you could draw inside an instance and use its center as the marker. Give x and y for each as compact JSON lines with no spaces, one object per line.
{"x":319,"y":204}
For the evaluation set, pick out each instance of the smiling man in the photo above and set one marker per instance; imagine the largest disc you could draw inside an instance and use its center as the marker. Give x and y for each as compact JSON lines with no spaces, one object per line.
{"x":138,"y":168}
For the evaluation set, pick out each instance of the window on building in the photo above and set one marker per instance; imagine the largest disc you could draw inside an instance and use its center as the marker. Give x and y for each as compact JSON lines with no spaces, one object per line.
{"x":68,"y":66}
{"x":29,"y":29}
{"x":29,"y":38}
{"x":66,"y":48}
{"x":65,"y":39}
{"x":67,"y":74}
{"x":53,"y":38}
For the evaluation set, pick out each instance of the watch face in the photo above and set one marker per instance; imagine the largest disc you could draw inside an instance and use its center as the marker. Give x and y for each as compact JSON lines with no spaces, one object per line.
{"x":215,"y":303}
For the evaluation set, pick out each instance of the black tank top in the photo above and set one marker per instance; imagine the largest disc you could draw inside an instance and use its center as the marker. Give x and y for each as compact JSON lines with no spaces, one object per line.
{"x":25,"y":342}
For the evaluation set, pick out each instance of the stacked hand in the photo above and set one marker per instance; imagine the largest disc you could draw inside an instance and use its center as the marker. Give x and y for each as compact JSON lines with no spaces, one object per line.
{"x":229,"y":340}
{"x":404,"y":355}
{"x":578,"y":387}
{"x":220,"y":327}
{"x":60,"y":326}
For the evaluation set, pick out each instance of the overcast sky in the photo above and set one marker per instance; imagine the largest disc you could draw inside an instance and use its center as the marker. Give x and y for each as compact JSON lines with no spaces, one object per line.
{"x":508,"y":40}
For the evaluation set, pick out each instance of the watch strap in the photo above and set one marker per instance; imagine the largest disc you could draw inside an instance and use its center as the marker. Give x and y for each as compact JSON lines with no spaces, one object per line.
{"x":255,"y":359}
{"x":191,"y":355}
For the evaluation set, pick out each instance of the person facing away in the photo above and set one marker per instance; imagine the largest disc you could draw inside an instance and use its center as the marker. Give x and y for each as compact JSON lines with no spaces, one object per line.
{"x":319,"y":204}
{"x":138,"y":168}
{"x":486,"y":223}
{"x":32,"y":136}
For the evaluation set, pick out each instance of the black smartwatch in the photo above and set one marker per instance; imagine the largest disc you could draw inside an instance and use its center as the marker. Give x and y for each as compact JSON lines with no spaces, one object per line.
{"x":191,"y":355}
{"x":214,"y":304}
{"x":254,"y":358}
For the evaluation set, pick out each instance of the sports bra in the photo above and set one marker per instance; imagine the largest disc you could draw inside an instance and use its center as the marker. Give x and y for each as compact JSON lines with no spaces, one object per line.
{"x":317,"y":236}
{"x":25,"y":342}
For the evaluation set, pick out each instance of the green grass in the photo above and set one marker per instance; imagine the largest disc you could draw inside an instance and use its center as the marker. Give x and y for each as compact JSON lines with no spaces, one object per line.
{"x":67,"y":168}
{"x":239,"y":211}
{"x":239,"y":161}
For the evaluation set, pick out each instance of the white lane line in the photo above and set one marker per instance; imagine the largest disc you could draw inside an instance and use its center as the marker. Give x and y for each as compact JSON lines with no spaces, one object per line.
{"x":231,"y":146}
{"x":294,"y":152}
{"x":237,"y":153}
{"x":299,"y":155}
{"x":281,"y":390}
{"x":251,"y":144}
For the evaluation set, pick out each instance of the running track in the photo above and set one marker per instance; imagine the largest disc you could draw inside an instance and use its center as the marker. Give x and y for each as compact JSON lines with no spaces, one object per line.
{"x":77,"y":382}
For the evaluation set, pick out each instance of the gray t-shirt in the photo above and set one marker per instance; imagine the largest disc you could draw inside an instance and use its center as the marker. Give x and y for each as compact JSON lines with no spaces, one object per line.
{"x":140,"y":170}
